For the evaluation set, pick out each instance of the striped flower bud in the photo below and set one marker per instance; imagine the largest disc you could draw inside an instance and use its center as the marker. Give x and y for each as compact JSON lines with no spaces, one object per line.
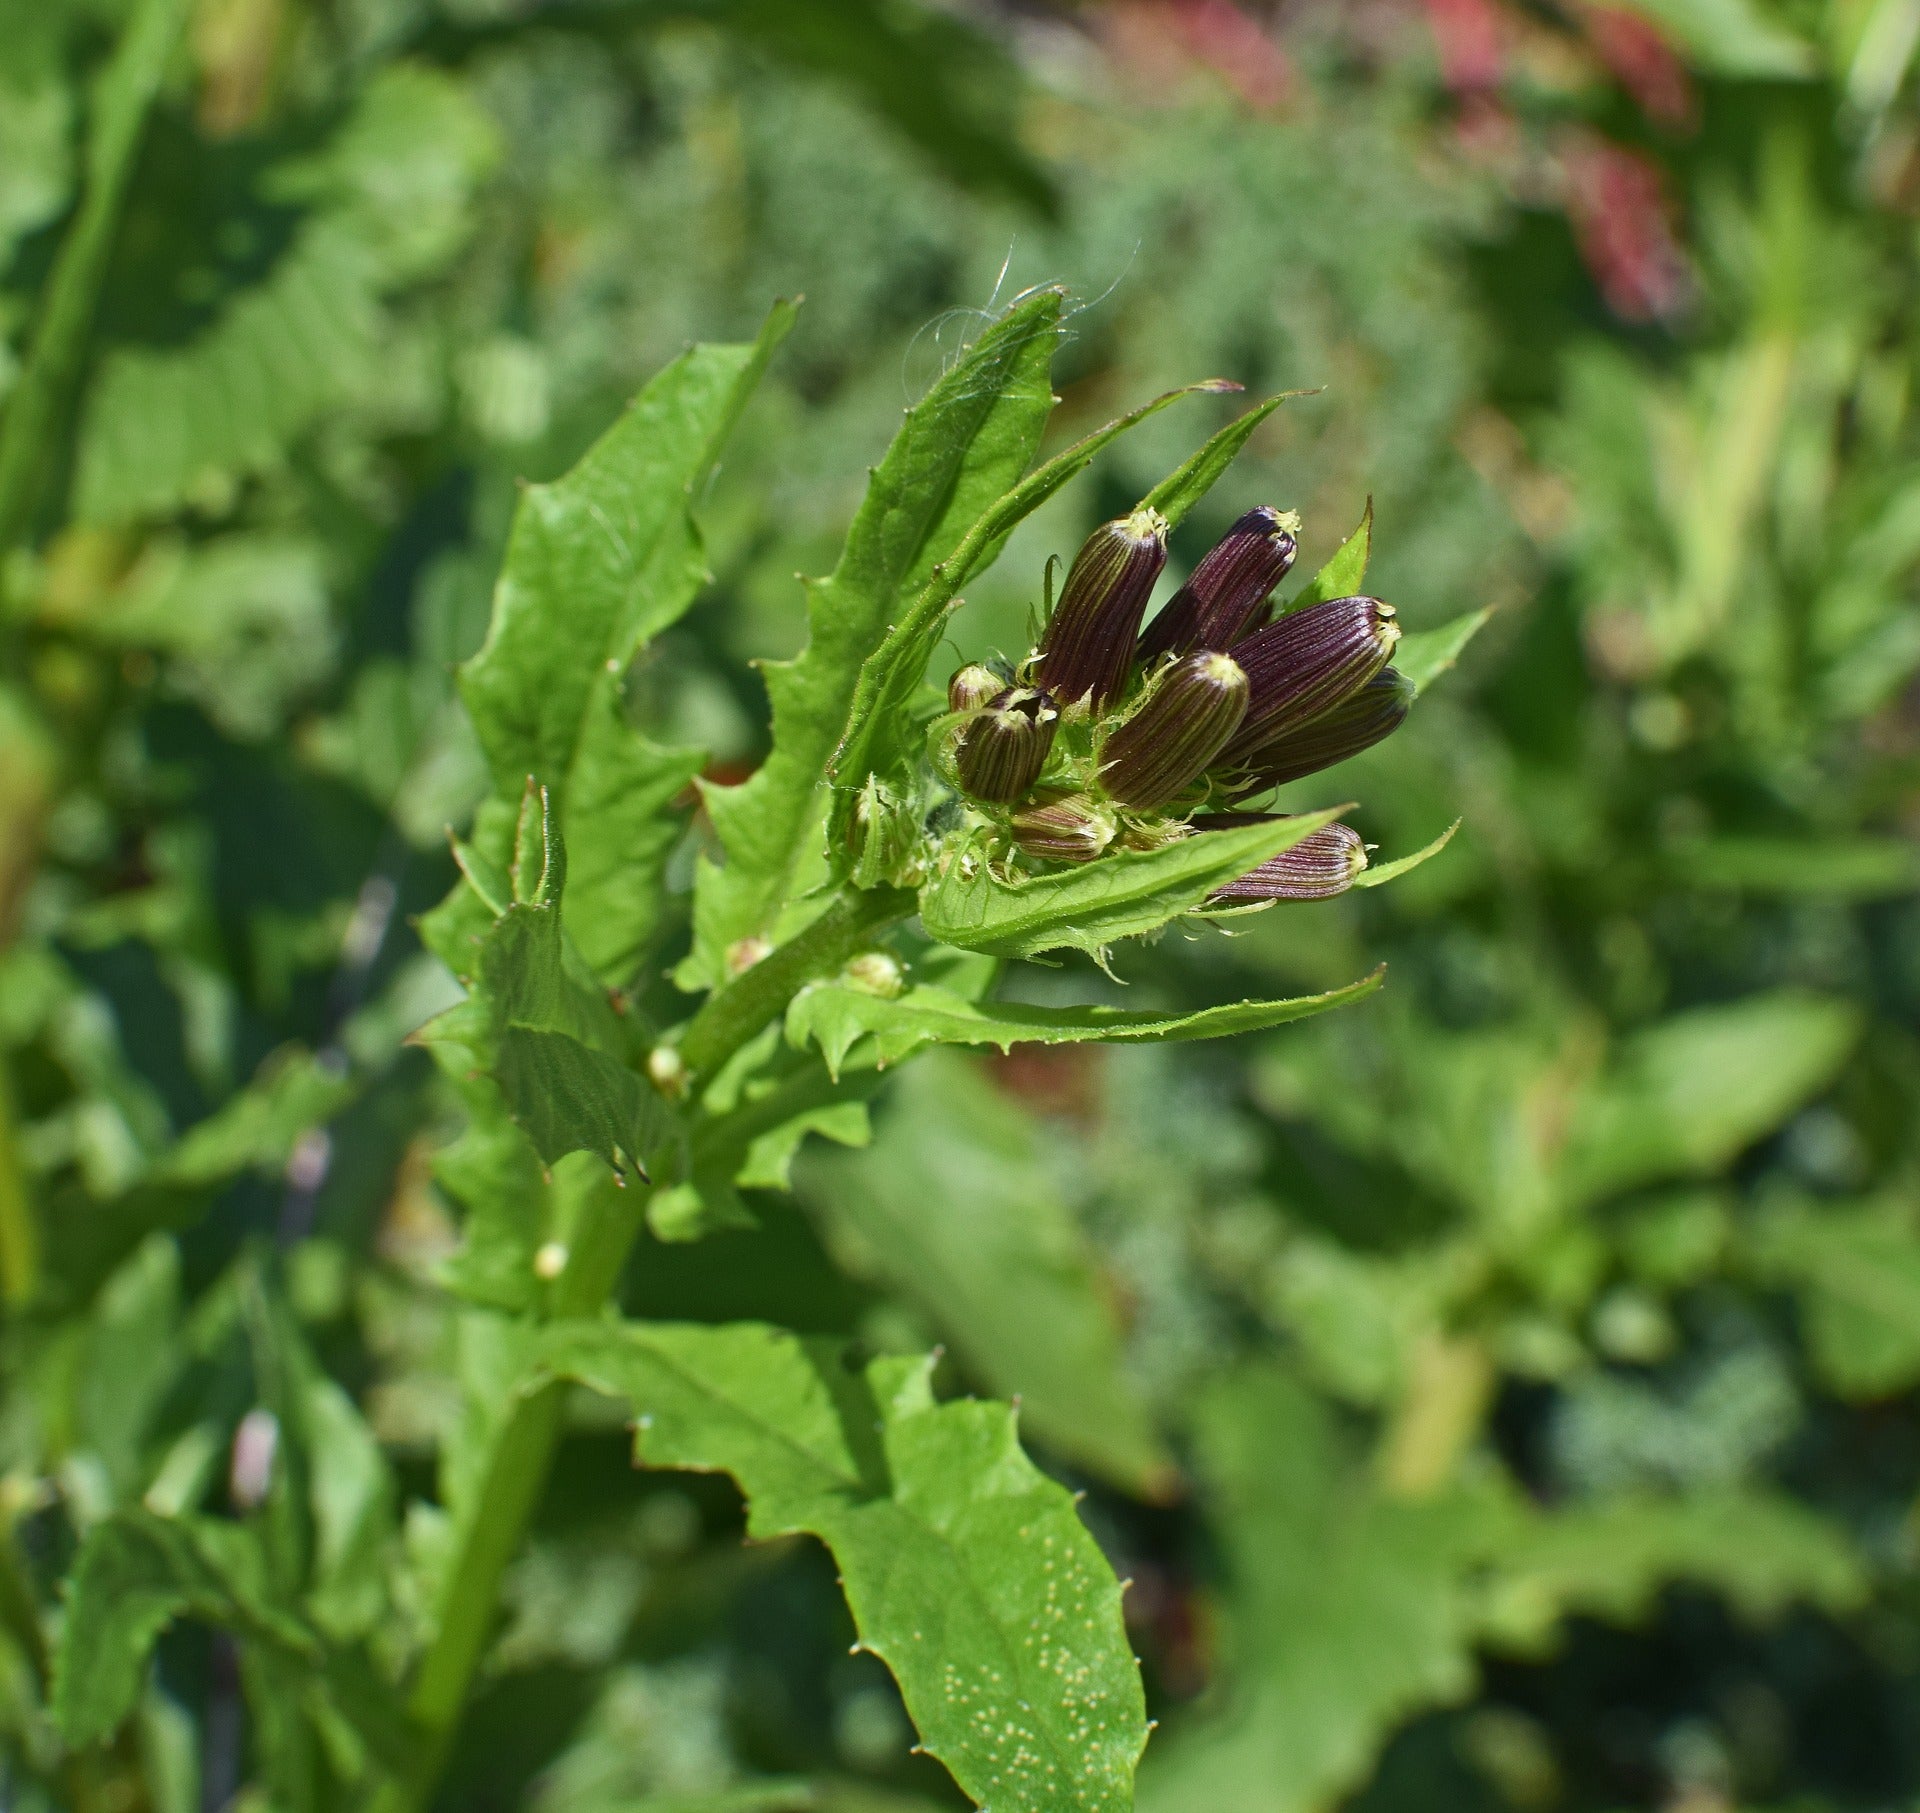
{"x":974,"y":688}
{"x":1308,"y":662}
{"x":1087,"y":646}
{"x":1001,"y":752}
{"x":1320,"y":865}
{"x":1064,"y":827}
{"x":1359,"y":721}
{"x":1172,"y":739}
{"x":1225,"y":593}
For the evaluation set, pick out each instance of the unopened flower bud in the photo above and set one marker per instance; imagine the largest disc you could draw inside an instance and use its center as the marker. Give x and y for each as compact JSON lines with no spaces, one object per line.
{"x":1321,"y":864}
{"x":1172,"y":739}
{"x":1359,"y":721}
{"x":1307,"y":663}
{"x":1087,"y":646}
{"x":1064,"y":827}
{"x":1228,"y":589}
{"x":1001,"y":752}
{"x":974,"y":688}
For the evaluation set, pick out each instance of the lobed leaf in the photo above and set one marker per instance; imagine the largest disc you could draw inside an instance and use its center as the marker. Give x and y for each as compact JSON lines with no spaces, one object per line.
{"x":836,"y":1018}
{"x":598,"y":563}
{"x":1089,"y":908}
{"x":967,"y":1571}
{"x":962,"y":445}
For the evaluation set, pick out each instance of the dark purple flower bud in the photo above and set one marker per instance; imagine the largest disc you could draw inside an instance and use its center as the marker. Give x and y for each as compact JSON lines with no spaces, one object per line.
{"x":1087,"y":646}
{"x":1307,"y":663}
{"x":974,"y":688}
{"x":1064,"y":827}
{"x":1172,"y":739}
{"x":1320,"y":865}
{"x":1359,"y":721}
{"x":1228,"y":589}
{"x":1001,"y":752}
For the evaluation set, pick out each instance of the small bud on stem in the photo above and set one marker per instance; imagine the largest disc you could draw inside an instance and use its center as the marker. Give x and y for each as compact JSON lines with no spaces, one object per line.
{"x":1172,"y":739}
{"x":1226,"y":592}
{"x":1001,"y":752}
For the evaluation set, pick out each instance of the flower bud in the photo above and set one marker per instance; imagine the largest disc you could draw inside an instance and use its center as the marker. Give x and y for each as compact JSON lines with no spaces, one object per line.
{"x":1182,"y":725}
{"x":1359,"y":721}
{"x":1001,"y":752}
{"x":1064,"y":827}
{"x":1225,"y":593}
{"x":974,"y":688}
{"x":1088,"y":644}
{"x":1307,"y":663}
{"x":1321,"y":864}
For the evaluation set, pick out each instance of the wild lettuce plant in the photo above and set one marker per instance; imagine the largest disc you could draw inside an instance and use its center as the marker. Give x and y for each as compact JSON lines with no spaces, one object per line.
{"x":857,"y":902}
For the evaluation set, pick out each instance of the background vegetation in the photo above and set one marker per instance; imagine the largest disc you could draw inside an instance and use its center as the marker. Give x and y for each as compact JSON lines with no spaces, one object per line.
{"x":1500,"y":1393}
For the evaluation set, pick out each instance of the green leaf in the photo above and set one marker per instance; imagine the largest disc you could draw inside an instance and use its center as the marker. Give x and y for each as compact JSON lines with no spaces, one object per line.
{"x":1760,"y":1551}
{"x":256,"y":1129}
{"x":1341,"y":577}
{"x":885,"y":734}
{"x":836,"y":1018}
{"x":164,"y":428}
{"x":135,"y":1575}
{"x":1120,"y":896}
{"x":1378,"y":875}
{"x":962,"y":446}
{"x":1181,"y":489}
{"x":598,"y":563}
{"x":1350,"y":1609}
{"x":954,"y":1208}
{"x":1686,"y":1097}
{"x":1425,"y":655}
{"x":968,"y":1572}
{"x":545,"y":1033}
{"x":1855,"y":1269}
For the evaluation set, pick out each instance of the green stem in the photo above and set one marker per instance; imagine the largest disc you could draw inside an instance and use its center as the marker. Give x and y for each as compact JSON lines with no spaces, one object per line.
{"x":504,"y":1504}
{"x":121,"y":103}
{"x":523,"y":1450}
{"x":759,"y":996}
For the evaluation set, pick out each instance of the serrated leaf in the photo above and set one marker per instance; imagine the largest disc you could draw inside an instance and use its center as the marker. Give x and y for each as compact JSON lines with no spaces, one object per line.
{"x":968,"y":1572}
{"x":768,"y":1164}
{"x":541,"y":1028}
{"x":1343,"y":575}
{"x":1687,"y":1096}
{"x":885,"y":733}
{"x":836,"y":1018}
{"x":962,"y":446}
{"x":1184,"y":487}
{"x":1375,"y":876}
{"x":598,"y":563}
{"x":1424,"y":655}
{"x":1089,"y":908}
{"x":1855,"y":1269}
{"x":954,"y":1208}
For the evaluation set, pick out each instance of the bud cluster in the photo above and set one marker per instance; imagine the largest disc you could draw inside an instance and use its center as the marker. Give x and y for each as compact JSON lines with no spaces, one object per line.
{"x":1114,"y":737}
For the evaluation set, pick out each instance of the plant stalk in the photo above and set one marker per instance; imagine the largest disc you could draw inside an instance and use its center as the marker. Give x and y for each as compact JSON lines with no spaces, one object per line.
{"x":758,"y":996}
{"x":122,"y":100}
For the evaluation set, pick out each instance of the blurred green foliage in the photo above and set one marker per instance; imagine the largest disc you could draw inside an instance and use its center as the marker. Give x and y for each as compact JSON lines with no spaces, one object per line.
{"x":1500,"y":1393}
